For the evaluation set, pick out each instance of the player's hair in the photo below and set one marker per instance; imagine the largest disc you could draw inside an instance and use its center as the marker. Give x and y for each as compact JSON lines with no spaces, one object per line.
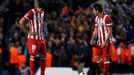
{"x":98,"y":7}
{"x":42,"y":5}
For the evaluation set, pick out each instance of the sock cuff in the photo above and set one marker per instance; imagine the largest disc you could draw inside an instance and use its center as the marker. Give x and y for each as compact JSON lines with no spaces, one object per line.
{"x":32,"y":58}
{"x":99,"y":60}
{"x":107,"y":62}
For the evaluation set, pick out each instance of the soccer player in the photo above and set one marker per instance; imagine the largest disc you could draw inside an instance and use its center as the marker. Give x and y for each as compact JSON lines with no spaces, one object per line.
{"x":36,"y":42}
{"x":103,"y":31}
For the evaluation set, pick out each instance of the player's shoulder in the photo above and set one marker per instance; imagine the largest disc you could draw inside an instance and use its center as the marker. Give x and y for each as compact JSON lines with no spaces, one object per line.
{"x":106,"y":15}
{"x":31,"y":10}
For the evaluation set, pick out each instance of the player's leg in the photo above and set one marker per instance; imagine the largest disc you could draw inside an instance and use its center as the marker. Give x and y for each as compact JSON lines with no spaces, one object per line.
{"x":33,"y":47}
{"x":106,"y":66}
{"x":106,"y":58}
{"x":43,"y":57}
{"x":32,"y":64}
{"x":98,"y":58}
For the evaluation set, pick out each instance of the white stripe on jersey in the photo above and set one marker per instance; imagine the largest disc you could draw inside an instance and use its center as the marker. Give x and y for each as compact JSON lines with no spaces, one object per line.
{"x":39,"y":24}
{"x":96,"y":20}
{"x":102,"y":35}
{"x":105,"y":28}
{"x":26,"y":17}
{"x":109,"y":24}
{"x":35,"y":23}
{"x":106,"y":32}
{"x":34,"y":18}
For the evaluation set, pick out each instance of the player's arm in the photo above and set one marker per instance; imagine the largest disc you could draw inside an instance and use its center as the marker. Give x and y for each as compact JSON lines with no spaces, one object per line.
{"x":109,"y":25}
{"x":109,"y":28}
{"x":23,"y":23}
{"x":24,"y":20}
{"x":95,"y":32}
{"x":109,"y":34}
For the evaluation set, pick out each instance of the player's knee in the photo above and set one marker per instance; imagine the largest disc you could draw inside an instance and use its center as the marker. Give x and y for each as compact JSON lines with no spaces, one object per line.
{"x":106,"y":61}
{"x":42,"y":56}
{"x":98,"y":58}
{"x":32,"y":57}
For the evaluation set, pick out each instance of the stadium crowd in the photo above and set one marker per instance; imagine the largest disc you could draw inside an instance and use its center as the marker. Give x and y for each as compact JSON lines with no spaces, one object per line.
{"x":68,"y":27}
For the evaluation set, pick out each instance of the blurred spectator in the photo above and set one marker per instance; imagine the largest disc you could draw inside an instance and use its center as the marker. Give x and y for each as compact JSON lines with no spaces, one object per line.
{"x":80,"y":53}
{"x":24,"y":70}
{"x":114,"y":58}
{"x":129,"y":30}
{"x":131,"y":46}
{"x":94,"y":68}
{"x":13,"y":60}
{"x":64,"y":11}
{"x":0,"y":60}
{"x":48,"y":58}
{"x":124,"y":55}
{"x":21,"y":61}
{"x":120,"y":34}
{"x":63,"y":57}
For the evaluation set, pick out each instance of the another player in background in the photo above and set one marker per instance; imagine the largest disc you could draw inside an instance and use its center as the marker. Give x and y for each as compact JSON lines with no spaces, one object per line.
{"x":103,"y":31}
{"x":36,"y":42}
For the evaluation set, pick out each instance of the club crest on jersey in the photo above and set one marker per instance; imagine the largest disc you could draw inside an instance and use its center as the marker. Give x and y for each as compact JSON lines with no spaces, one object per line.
{"x":38,"y":18}
{"x":33,"y":48}
{"x":100,"y":22}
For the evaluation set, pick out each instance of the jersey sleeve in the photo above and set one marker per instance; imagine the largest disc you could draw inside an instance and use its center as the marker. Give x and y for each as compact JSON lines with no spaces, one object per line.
{"x":29,"y":14}
{"x":108,"y":21}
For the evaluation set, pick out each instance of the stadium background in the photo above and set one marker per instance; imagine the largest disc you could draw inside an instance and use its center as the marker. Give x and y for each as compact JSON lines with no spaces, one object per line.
{"x":68,"y":28}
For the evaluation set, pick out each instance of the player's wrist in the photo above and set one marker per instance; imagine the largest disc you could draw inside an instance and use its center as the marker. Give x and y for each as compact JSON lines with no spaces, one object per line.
{"x":26,"y":31}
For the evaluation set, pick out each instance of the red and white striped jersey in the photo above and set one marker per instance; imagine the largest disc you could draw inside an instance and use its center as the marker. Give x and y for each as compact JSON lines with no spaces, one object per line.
{"x":35,"y":23}
{"x":102,"y":23}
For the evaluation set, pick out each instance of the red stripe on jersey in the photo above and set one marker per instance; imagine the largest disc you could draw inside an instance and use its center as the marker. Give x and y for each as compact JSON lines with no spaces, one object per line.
{"x":33,"y":20}
{"x":103,"y":32}
{"x":25,"y":17}
{"x":100,"y":40}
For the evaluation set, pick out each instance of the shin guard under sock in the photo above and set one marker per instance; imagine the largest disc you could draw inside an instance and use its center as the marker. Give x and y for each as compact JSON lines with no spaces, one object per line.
{"x":101,"y":64}
{"x":106,"y":68}
{"x":42,"y":65}
{"x":31,"y":64}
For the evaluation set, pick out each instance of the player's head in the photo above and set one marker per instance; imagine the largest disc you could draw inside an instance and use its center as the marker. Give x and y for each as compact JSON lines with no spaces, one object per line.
{"x":97,"y":8}
{"x":41,"y":7}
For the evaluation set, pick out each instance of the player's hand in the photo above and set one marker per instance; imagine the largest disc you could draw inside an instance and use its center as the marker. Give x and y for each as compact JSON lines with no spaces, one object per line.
{"x":91,"y":42}
{"x":103,"y":45}
{"x":32,"y":33}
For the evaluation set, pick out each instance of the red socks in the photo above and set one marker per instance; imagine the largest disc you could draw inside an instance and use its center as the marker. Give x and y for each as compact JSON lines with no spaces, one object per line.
{"x":42,"y":65}
{"x":106,"y":68}
{"x":101,"y":64}
{"x":31,"y":64}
